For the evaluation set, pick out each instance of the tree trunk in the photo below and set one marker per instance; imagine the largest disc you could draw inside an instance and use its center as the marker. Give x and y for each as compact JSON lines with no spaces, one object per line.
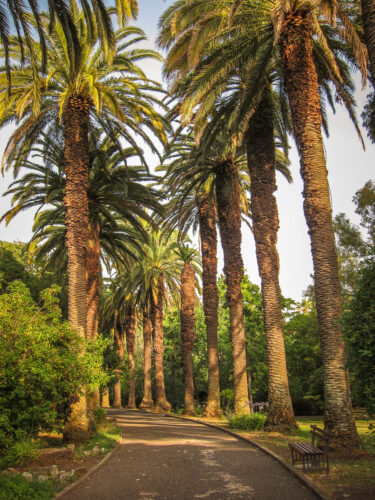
{"x":130,"y":345}
{"x":76,"y":122}
{"x":188,"y":333}
{"x":302,"y":88}
{"x":161,"y":403}
{"x":207,"y":226}
{"x":229,"y":212}
{"x":368,"y":16}
{"x":119,"y":336}
{"x":147,"y":401}
{"x":93,"y":284}
{"x":105,"y":398}
{"x":261,"y":164}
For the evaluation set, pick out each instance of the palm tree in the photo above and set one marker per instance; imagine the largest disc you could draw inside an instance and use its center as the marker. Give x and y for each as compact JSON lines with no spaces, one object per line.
{"x":223,"y":167}
{"x":272,"y":30}
{"x":157,"y":282}
{"x":190,"y":207}
{"x":368,"y":19}
{"x":97,"y":18}
{"x":187,"y":315}
{"x":114,"y":95}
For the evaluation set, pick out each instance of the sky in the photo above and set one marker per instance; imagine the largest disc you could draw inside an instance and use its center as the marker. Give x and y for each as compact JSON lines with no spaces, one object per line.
{"x":349,"y":167}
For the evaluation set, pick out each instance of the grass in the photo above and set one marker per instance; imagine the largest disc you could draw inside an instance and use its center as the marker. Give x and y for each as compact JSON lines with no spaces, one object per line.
{"x":351,"y":476}
{"x":16,"y":487}
{"x":107,"y":436}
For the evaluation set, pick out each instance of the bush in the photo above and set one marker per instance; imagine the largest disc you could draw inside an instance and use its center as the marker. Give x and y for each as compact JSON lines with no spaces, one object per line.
{"x":18,"y":488}
{"x":43,"y":365}
{"x":254,"y":422}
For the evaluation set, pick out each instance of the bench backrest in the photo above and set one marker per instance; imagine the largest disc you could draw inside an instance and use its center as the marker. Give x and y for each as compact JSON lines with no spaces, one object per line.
{"x":316,"y":432}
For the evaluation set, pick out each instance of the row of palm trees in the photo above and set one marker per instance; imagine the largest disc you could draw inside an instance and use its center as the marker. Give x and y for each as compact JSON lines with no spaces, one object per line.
{"x":243,"y":75}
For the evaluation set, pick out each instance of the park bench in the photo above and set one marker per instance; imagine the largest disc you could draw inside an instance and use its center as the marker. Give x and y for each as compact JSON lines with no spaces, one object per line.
{"x":309,"y":455}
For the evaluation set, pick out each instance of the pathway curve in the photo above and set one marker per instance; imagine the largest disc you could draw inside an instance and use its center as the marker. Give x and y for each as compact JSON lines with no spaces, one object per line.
{"x":168,"y":458}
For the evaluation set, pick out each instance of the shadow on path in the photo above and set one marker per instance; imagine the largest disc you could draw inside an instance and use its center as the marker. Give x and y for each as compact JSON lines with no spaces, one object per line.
{"x":166,"y":458}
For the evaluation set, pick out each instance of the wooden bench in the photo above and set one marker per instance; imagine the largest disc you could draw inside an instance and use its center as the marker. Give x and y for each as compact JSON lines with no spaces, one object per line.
{"x":309,"y":455}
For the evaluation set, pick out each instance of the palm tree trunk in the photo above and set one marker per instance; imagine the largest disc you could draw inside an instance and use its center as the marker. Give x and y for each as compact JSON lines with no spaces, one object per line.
{"x":161,"y":403}
{"x":368,"y":16}
{"x":119,"y":336}
{"x":188,"y":333}
{"x":207,"y":227}
{"x":93,"y":283}
{"x":302,"y":88}
{"x":130,"y":345}
{"x":105,"y":398}
{"x":76,"y":122}
{"x":261,"y":164}
{"x":147,"y":401}
{"x":229,"y":212}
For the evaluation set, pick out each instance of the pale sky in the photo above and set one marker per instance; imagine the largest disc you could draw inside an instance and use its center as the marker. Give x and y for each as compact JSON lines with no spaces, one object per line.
{"x":348,"y":165}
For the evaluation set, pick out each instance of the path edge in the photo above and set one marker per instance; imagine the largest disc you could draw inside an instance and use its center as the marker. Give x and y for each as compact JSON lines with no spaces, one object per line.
{"x":320,"y":494}
{"x":87,"y":474}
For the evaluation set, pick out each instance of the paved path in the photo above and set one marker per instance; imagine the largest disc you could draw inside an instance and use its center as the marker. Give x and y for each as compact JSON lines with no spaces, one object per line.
{"x":167,"y":458}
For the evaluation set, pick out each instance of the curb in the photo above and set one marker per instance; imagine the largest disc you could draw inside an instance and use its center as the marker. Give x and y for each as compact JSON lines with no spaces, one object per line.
{"x":292,"y":470}
{"x":71,"y":486}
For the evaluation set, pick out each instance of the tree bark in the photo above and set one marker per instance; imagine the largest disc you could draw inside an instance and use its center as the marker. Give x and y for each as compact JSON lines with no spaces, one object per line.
{"x":368,"y":16}
{"x":229,"y":212}
{"x":76,"y":123}
{"x":119,"y":336}
{"x":161,"y":403}
{"x":147,"y":401}
{"x":105,"y":398}
{"x":207,"y":226}
{"x":261,"y":163}
{"x":93,"y":289}
{"x":303,"y":93}
{"x":130,"y":345}
{"x":188,"y":333}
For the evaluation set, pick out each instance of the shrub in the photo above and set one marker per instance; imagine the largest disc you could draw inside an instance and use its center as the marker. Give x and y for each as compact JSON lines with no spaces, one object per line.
{"x":43,"y":365}
{"x":254,"y":422}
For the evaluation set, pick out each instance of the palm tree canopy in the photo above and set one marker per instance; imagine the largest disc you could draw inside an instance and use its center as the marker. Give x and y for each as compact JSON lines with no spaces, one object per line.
{"x":119,"y":96}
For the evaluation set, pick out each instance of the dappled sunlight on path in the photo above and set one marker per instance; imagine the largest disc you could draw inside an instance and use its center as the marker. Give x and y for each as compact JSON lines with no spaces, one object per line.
{"x":166,"y":458}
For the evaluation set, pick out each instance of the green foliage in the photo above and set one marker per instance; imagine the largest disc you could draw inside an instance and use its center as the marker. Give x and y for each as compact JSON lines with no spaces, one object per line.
{"x":43,"y":364}
{"x":106,"y":437}
{"x":18,"y":488}
{"x":18,"y":452}
{"x":304,"y":363}
{"x":368,"y":116}
{"x":359,"y":327}
{"x":254,"y":422}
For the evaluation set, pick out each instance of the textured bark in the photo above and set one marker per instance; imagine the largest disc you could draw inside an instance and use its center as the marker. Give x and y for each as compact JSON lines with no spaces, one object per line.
{"x":302,"y":88}
{"x":188,"y":333}
{"x":105,"y":398}
{"x":119,"y":337}
{"x":93,"y":284}
{"x":130,"y":346}
{"x":147,"y":401}
{"x":76,"y":122}
{"x":207,"y":227}
{"x":368,"y":15}
{"x":261,"y":164}
{"x":161,"y":403}
{"x":229,"y":212}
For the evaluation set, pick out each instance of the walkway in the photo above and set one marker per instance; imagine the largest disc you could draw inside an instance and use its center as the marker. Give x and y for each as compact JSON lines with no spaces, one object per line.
{"x":167,"y":458}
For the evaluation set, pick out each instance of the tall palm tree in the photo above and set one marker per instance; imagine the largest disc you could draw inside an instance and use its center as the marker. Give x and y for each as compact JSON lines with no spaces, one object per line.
{"x":223,"y":167}
{"x":98,"y":19}
{"x":187,"y":316}
{"x":114,"y":95}
{"x":191,"y":207}
{"x":157,"y":282}
{"x":272,"y":29}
